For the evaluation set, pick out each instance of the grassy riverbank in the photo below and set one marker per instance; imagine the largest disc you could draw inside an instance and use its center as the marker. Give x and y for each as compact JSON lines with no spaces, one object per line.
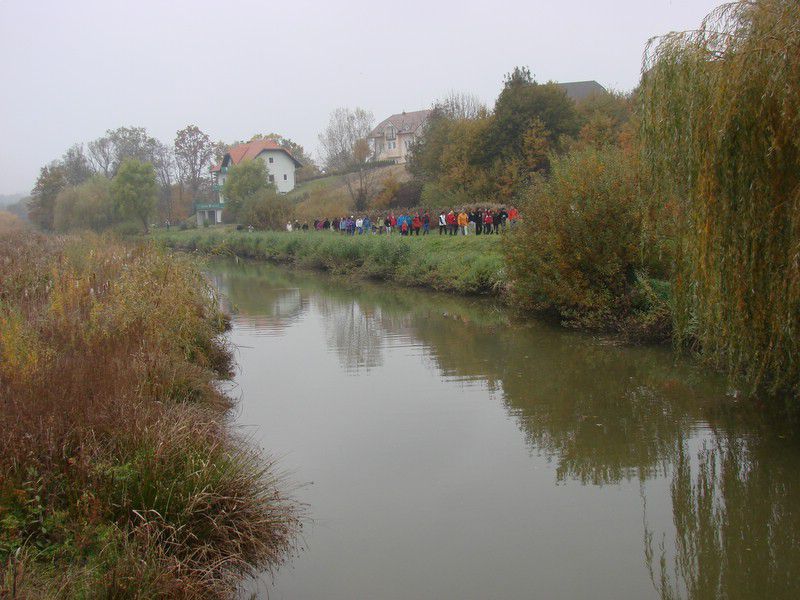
{"x":464,"y":265}
{"x":119,"y":476}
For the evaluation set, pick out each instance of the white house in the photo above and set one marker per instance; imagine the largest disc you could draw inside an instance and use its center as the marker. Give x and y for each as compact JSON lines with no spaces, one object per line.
{"x":393,"y":137}
{"x":280,"y":163}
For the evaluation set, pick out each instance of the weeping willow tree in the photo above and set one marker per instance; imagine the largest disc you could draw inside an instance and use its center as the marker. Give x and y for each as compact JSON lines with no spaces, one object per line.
{"x":721,"y":127}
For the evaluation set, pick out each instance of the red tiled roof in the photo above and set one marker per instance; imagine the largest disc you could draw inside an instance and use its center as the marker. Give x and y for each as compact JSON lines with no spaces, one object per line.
{"x":250,"y":150}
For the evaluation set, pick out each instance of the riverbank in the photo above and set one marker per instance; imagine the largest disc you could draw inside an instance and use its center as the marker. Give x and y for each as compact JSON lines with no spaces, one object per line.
{"x":471,"y":265}
{"x":120,"y":476}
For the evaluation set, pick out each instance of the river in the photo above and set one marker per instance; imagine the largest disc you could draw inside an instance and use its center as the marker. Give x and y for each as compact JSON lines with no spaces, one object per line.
{"x":450,"y":449}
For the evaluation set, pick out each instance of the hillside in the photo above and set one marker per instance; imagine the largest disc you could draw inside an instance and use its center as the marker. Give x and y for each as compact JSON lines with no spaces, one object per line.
{"x":329,"y":197}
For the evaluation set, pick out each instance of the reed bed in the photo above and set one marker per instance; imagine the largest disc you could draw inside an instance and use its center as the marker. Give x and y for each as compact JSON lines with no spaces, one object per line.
{"x":120,"y":475}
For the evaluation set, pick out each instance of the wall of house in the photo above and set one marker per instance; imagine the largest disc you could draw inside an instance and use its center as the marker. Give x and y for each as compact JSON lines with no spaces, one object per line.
{"x":281,"y":169}
{"x":398,"y":153}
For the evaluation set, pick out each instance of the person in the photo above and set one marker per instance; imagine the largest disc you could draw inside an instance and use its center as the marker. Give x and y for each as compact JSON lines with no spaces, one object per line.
{"x":463,"y":222}
{"x":442,"y":223}
{"x":403,"y":226}
{"x":496,"y":220}
{"x":513,"y":215}
{"x":288,"y":226}
{"x":326,"y":225}
{"x":387,"y":223}
{"x":503,"y":217}
{"x":250,"y":228}
{"x":360,"y":225}
{"x":487,"y":221}
{"x":367,"y":225}
{"x":426,"y":223}
{"x":478,"y":221}
{"x":416,"y":224}
{"x":343,"y":225}
{"x":452,"y":224}
{"x":471,"y":216}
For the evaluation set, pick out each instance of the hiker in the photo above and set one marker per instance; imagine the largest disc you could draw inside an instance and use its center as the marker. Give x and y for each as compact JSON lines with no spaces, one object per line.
{"x":426,"y":223}
{"x":513,"y":215}
{"x":442,"y":223}
{"x":452,"y":225}
{"x":463,"y":222}
{"x":416,"y":224}
{"x":367,"y":225}
{"x":496,"y":221}
{"x":403,"y":226}
{"x":478,"y":221}
{"x":487,"y":221}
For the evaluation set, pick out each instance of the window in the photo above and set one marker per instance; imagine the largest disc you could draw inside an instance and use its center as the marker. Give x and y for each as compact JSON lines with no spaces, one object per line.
{"x":285,"y":177}
{"x":271,"y":159}
{"x":390,"y":132}
{"x":271,"y":179}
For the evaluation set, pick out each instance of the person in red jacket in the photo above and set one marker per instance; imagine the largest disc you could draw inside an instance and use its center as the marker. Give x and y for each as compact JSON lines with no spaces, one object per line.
{"x":416,"y":224}
{"x":488,"y":219}
{"x":452,"y":223}
{"x":513,"y":215}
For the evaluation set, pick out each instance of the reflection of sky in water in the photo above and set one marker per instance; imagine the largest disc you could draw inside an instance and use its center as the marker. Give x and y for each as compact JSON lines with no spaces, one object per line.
{"x":458,"y":452}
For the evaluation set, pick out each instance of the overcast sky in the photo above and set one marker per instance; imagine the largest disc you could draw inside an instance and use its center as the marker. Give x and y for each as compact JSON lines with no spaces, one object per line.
{"x":75,"y":68}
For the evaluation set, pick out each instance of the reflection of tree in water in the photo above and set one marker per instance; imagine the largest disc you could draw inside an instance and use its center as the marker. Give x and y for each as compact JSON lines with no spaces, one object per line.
{"x":604,"y":414}
{"x":736,"y":511}
{"x":258,"y":302}
{"x":353,"y":331}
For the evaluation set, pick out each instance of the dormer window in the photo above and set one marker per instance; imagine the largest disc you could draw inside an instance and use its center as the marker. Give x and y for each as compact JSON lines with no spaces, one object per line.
{"x":391,"y":132}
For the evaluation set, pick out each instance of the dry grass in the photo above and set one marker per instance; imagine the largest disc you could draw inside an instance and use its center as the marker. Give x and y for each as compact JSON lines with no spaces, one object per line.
{"x":119,"y":475}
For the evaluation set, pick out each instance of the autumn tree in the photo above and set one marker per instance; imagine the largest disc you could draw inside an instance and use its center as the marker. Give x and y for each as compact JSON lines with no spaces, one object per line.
{"x":521,"y":100}
{"x":344,"y":131}
{"x":134,"y":190}
{"x":194,"y":152}
{"x":41,"y":206}
{"x":76,"y":165}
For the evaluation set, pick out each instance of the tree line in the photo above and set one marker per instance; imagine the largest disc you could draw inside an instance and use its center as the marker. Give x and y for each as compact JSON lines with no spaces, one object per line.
{"x":127,"y":176}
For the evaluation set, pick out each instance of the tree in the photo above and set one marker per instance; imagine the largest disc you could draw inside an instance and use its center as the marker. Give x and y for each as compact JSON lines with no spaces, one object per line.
{"x":244,"y":181}
{"x":521,"y":100}
{"x":338,"y":141}
{"x":361,"y":183}
{"x":460,"y":105}
{"x":76,"y":165}
{"x":101,"y":155}
{"x":164,"y":165}
{"x":719,"y":124}
{"x":193,"y":154}
{"x":41,"y":207}
{"x":85,"y":206}
{"x":134,"y":190}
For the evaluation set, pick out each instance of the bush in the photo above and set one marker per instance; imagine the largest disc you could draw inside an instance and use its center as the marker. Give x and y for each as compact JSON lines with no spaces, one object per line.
{"x":85,"y":206}
{"x":267,"y":209}
{"x":584,"y":249}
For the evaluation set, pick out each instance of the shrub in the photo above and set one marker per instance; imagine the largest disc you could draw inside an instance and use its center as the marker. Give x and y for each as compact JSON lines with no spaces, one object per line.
{"x":267,"y":210}
{"x":584,"y":249}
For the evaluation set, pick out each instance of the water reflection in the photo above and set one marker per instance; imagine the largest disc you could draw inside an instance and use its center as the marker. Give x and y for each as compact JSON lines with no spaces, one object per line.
{"x":603,"y":415}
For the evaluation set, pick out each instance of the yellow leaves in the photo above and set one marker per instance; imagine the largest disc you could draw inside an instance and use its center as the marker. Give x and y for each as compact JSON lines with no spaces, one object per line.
{"x":20,"y":350}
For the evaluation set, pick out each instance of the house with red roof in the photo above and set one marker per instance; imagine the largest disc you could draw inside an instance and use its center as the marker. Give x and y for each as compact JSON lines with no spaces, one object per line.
{"x":280,"y":163}
{"x":393,"y":138}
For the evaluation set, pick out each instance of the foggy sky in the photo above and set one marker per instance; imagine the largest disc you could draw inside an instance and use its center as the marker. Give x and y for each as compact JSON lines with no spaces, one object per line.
{"x":74,"y":68}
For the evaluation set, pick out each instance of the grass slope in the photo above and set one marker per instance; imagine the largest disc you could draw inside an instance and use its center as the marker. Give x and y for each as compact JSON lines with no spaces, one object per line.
{"x":465,"y":265}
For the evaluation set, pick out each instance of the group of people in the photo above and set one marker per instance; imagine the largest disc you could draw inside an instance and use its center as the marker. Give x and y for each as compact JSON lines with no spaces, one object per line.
{"x":455,"y":222}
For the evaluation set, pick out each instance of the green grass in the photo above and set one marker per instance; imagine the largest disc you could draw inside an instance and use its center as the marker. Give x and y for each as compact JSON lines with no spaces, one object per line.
{"x":464,"y":265}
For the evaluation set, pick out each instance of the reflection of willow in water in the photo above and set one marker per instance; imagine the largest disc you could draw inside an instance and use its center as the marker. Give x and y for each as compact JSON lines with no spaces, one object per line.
{"x":604,"y":413}
{"x":736,"y":511}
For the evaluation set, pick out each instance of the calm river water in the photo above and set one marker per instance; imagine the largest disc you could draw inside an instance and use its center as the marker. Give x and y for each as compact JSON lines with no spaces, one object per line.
{"x":451,"y":450}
